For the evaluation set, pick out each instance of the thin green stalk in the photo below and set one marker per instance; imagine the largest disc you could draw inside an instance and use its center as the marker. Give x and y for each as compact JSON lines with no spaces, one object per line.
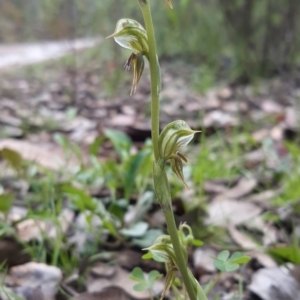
{"x":154,"y":74}
{"x":212,"y":284}
{"x":179,"y":255}
{"x":161,"y":186}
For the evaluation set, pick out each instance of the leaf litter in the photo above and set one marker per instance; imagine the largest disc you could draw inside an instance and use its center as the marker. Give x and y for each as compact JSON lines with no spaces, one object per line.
{"x":242,"y":207}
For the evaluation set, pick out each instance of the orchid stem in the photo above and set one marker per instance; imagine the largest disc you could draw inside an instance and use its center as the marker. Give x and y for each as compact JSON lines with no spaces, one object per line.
{"x":161,"y":184}
{"x":154,"y":74}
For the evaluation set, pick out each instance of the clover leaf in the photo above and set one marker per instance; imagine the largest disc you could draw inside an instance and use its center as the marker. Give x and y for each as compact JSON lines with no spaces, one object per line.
{"x":229,"y":264}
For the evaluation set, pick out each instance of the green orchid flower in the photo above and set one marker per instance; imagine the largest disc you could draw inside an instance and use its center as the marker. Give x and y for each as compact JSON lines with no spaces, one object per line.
{"x":131,"y":35}
{"x":173,"y":137}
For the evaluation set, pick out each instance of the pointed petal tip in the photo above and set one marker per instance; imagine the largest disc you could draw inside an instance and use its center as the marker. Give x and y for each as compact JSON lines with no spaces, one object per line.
{"x":110,"y":36}
{"x":184,"y":183}
{"x":170,"y":4}
{"x":132,"y":92}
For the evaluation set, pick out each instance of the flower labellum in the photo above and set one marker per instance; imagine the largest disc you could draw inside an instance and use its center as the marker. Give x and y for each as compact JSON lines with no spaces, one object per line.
{"x":138,"y":63}
{"x":177,"y":168}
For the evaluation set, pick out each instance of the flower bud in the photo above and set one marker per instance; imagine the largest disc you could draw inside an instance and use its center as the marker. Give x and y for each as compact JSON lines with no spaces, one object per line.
{"x":162,"y":249}
{"x":132,"y":35}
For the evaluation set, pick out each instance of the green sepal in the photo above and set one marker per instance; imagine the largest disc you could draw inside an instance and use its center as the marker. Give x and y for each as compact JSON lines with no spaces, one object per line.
{"x":132,"y":35}
{"x":177,"y":168}
{"x":174,"y":136}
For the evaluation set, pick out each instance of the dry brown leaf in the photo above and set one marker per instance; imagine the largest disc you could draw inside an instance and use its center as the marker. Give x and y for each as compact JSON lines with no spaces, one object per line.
{"x":292,"y":118}
{"x":111,"y":293}
{"x":222,"y":212}
{"x":254,"y":157}
{"x":263,"y":198}
{"x":210,"y":101}
{"x":12,"y":132}
{"x":52,"y":158}
{"x":234,"y":106}
{"x":121,"y":121}
{"x":260,"y":135}
{"x":242,"y":188}
{"x":129,"y":259}
{"x":16,"y":213}
{"x":220,"y":119}
{"x":295,"y":272}
{"x":37,"y":275}
{"x":101,"y":270}
{"x":264,"y":259}
{"x":203,"y":260}
{"x":271,"y":106}
{"x":241,"y":238}
{"x":247,"y":243}
{"x":121,"y":279}
{"x":214,"y":187}
{"x":270,"y":234}
{"x":277,"y":133}
{"x":31,"y":229}
{"x":225,"y":93}
{"x":274,"y":284}
{"x":10,"y":120}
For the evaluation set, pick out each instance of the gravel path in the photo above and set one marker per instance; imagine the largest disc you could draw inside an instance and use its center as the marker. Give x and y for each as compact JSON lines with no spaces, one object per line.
{"x":29,"y":53}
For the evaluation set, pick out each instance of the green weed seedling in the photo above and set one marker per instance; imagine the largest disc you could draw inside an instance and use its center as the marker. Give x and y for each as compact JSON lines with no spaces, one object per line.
{"x":225,"y":263}
{"x":6,"y":201}
{"x":229,"y":264}
{"x":136,"y":166}
{"x":287,"y":253}
{"x":145,"y":282}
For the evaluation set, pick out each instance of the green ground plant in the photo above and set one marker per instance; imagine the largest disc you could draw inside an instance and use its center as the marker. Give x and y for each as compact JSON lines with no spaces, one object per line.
{"x":144,"y":283}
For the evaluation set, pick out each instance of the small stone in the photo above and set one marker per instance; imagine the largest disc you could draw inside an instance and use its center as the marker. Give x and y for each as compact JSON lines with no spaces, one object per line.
{"x":40,"y":276}
{"x":225,"y":93}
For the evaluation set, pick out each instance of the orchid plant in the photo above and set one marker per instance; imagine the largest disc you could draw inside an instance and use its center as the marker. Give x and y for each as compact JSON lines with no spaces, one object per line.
{"x":172,"y":248}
